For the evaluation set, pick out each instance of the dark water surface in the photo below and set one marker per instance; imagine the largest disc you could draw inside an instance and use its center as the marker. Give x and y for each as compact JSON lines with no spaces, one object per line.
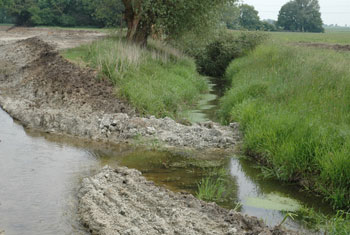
{"x":40,"y":176}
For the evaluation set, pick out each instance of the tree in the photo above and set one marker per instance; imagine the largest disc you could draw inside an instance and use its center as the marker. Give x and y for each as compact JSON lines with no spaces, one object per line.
{"x":301,"y":15}
{"x":249,"y":18}
{"x":170,"y":17}
{"x":230,"y":16}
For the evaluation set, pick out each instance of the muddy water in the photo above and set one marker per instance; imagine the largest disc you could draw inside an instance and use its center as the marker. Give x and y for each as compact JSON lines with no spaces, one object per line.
{"x":40,"y":176}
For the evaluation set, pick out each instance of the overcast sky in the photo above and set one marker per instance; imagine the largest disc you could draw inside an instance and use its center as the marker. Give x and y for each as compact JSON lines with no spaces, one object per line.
{"x":333,"y":11}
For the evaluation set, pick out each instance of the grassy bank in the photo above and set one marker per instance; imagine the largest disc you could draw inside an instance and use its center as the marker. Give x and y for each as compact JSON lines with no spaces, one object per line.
{"x":293,"y":106}
{"x":157,"y":80}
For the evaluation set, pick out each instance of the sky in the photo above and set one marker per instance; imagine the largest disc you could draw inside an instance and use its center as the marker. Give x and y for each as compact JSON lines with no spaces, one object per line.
{"x":332,"y":11}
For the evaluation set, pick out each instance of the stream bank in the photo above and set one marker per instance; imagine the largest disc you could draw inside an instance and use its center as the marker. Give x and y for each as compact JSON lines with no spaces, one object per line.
{"x":43,"y":91}
{"x":39,"y":102}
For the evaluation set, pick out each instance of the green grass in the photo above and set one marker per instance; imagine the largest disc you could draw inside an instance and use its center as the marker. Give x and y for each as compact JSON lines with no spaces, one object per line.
{"x":212,"y":187}
{"x":157,"y":80}
{"x":294,"y":108}
{"x":338,"y":224}
{"x":331,"y":37}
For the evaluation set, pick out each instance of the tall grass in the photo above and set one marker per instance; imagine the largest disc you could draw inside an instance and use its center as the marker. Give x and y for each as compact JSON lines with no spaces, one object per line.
{"x":294,"y":108}
{"x":157,"y":80}
{"x":338,"y":224}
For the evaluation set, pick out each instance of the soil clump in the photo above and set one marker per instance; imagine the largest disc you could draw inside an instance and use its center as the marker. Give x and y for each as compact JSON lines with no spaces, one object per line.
{"x":122,"y":201}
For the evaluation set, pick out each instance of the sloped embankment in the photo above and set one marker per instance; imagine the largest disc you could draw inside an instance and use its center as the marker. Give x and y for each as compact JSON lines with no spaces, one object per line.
{"x":121,"y":201}
{"x":44,"y":91}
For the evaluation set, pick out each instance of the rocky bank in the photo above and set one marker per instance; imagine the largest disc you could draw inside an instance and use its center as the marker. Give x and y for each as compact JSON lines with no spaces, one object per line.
{"x":122,"y":201}
{"x":44,"y":91}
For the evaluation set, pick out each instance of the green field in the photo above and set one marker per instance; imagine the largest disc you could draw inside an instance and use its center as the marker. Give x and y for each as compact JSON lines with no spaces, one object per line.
{"x":293,"y":104}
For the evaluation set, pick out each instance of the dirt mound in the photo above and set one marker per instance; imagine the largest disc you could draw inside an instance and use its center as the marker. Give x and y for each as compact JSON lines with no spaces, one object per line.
{"x":121,"y":201}
{"x":44,"y":91}
{"x":64,"y":82}
{"x":337,"y":47}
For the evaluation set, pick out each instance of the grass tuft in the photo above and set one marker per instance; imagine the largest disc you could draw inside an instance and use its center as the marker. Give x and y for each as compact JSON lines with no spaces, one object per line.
{"x":157,"y":80}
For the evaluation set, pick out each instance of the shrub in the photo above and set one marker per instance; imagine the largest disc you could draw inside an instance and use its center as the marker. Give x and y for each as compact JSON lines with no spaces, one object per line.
{"x":214,"y":54}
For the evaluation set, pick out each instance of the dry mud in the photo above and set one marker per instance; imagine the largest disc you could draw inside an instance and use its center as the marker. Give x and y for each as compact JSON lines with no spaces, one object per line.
{"x":122,"y":201}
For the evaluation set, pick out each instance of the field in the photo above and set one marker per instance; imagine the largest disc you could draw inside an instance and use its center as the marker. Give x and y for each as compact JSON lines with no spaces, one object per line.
{"x":333,"y":37}
{"x":293,"y":105}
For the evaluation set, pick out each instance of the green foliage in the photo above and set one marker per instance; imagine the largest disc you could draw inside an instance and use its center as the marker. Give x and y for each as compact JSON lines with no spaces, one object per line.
{"x":293,"y":106}
{"x":249,"y":18}
{"x":213,"y":187}
{"x":230,"y":16}
{"x":214,"y":53}
{"x":338,"y":224}
{"x":64,"y":12}
{"x":157,"y":80}
{"x":301,"y":15}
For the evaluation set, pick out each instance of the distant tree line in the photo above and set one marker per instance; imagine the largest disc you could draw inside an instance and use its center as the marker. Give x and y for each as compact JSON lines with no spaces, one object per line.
{"x":296,"y":16}
{"x":99,"y":13}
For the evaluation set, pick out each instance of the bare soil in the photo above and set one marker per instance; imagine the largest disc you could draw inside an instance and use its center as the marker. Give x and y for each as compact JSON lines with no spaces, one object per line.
{"x":122,"y":201}
{"x":58,"y":38}
{"x":336,"y":47}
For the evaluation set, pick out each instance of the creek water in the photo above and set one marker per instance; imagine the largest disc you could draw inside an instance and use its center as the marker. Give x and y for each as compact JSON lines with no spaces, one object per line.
{"x":40,"y":176}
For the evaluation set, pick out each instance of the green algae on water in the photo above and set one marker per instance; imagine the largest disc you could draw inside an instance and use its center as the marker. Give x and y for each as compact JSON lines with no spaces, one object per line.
{"x":274,"y":201}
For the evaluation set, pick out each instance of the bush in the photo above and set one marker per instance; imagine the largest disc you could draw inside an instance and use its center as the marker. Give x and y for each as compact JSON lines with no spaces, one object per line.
{"x":214,"y":54}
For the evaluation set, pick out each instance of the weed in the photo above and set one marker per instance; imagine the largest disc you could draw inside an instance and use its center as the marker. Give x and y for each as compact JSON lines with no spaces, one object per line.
{"x":213,"y":186}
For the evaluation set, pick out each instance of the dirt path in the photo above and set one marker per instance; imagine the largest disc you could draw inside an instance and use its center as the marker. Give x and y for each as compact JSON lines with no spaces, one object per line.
{"x":336,"y":47}
{"x":58,"y":38}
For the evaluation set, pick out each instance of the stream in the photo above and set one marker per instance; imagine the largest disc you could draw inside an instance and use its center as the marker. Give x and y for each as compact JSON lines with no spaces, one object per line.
{"x":40,"y":176}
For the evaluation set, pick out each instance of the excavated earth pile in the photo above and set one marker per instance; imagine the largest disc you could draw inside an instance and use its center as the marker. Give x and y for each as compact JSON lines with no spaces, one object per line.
{"x":44,"y":91}
{"x":121,"y":201}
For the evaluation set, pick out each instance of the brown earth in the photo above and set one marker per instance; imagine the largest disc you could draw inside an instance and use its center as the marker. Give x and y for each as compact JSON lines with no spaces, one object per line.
{"x":58,"y":38}
{"x":336,"y":47}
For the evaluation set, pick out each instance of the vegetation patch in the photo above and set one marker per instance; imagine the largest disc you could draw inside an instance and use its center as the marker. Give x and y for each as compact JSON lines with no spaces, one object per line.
{"x":213,"y":54}
{"x":293,"y":107}
{"x":157,"y":80}
{"x":213,"y":186}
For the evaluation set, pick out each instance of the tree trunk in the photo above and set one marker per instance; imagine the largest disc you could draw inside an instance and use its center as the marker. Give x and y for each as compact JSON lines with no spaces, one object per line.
{"x":138,"y":29}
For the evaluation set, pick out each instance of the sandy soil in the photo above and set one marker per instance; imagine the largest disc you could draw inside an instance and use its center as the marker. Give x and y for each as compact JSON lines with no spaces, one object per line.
{"x":58,"y":38}
{"x":336,"y":47}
